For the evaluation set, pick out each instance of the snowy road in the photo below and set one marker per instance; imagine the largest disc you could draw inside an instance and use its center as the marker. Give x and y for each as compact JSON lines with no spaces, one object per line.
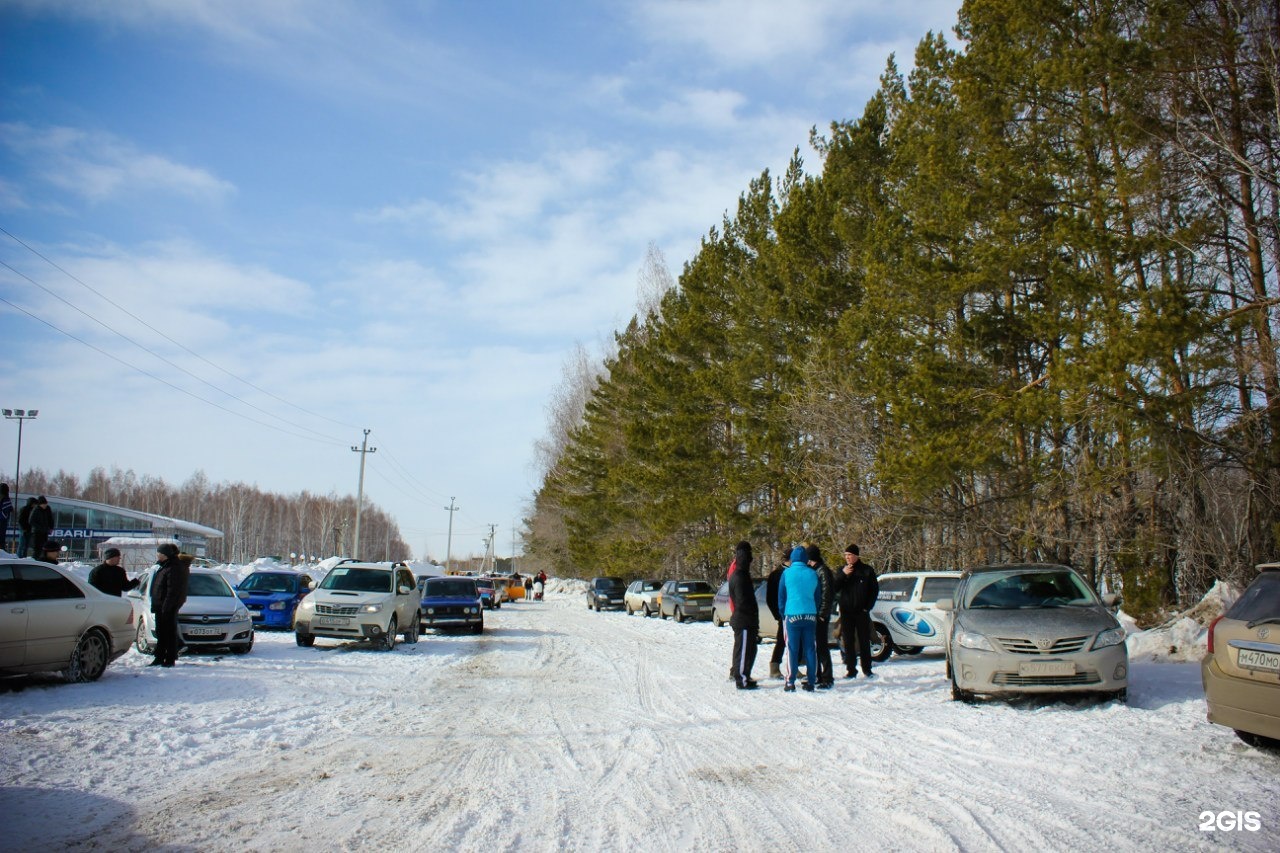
{"x":562,"y":728}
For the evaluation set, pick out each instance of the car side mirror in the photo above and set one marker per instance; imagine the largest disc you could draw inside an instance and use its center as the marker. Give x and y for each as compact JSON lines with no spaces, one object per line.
{"x":945,"y":604}
{"x":1111,"y":601}
{"x":405,"y":590}
{"x":311,"y":585}
{"x":133,"y":593}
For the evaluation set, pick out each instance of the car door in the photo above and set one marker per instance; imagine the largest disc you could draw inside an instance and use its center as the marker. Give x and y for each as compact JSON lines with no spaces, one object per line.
{"x":665,"y":596}
{"x":406,"y":602}
{"x":57,"y":613}
{"x":13,"y":620}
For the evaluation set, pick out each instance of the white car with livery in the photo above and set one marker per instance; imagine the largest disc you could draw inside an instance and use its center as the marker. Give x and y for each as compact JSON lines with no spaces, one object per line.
{"x":906,"y":613}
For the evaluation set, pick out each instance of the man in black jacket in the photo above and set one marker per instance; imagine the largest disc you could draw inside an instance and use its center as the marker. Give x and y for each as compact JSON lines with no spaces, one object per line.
{"x":41,"y":525}
{"x":771,"y":599}
{"x":857,"y":589}
{"x":168,"y":594}
{"x":745,"y":618}
{"x":24,"y":527}
{"x":826,"y":590}
{"x":109,"y":577}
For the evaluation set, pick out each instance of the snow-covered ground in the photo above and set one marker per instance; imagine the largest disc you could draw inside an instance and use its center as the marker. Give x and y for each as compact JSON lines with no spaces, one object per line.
{"x":561,"y":728}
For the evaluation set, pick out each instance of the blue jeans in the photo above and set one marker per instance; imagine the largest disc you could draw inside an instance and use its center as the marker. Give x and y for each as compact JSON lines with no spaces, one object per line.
{"x":802,"y":636}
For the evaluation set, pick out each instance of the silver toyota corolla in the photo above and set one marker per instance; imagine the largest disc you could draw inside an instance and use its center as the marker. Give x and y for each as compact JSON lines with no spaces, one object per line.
{"x":1033,"y":628}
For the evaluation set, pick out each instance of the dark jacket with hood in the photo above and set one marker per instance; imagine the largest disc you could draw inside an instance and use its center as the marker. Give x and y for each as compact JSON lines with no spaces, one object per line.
{"x":24,"y":516}
{"x":41,"y":519}
{"x":771,"y":591}
{"x":169,"y":586}
{"x":826,"y":584}
{"x":859,"y":590}
{"x":742,"y":591}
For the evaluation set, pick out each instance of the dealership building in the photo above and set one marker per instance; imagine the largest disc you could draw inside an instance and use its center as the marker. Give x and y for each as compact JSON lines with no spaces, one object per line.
{"x":84,"y":526}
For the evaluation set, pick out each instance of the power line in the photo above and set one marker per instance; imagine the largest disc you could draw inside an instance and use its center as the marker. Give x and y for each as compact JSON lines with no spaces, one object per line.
{"x":162,"y":334}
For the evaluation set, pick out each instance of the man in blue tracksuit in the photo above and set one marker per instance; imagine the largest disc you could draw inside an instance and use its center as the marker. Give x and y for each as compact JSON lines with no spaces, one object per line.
{"x":799,"y":598}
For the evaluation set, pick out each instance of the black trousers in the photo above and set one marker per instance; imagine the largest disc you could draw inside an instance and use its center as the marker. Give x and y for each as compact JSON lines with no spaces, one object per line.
{"x":855,"y":630}
{"x":167,"y":636}
{"x":779,"y":645}
{"x":824,"y":651}
{"x":744,"y":652}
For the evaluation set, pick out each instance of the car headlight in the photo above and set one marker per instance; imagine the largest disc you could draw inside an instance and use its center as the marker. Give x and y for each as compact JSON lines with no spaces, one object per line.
{"x":973,"y":640}
{"x":371,"y":608}
{"x":240,"y":615}
{"x":1113,"y":637}
{"x":306,"y":604}
{"x":279,"y":605}
{"x":431,"y":611}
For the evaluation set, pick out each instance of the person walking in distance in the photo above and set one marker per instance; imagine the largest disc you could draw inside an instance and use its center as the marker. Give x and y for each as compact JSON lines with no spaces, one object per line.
{"x":744,"y":617}
{"x":108,"y":575}
{"x":772,"y":584}
{"x":822,"y":627}
{"x":798,"y":598}
{"x":168,"y":594}
{"x":857,"y":590}
{"x":24,"y":527}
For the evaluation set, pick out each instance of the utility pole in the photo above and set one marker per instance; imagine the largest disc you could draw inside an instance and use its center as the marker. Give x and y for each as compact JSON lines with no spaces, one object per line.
{"x":364,"y":449}
{"x":448,"y":548}
{"x":488,"y":548}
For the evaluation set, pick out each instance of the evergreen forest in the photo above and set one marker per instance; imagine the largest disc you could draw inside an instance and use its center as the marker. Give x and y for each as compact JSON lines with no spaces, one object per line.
{"x":1021,"y":308}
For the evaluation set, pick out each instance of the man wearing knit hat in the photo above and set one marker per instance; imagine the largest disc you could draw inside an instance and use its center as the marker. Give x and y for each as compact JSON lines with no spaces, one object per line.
{"x":857,"y":590}
{"x":108,"y":575}
{"x":168,"y":594}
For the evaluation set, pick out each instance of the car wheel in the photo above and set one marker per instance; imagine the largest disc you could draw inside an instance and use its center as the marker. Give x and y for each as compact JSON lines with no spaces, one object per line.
{"x":959,"y":695}
{"x":243,"y":648}
{"x":1121,"y":695}
{"x":881,"y":644}
{"x":679,"y":615}
{"x":908,"y":650}
{"x":89,"y":659}
{"x":411,"y":633}
{"x":140,"y":641}
{"x":389,"y":638}
{"x":715,"y":619}
{"x":304,"y":640}
{"x":1257,"y":741}
{"x":478,"y":629}
{"x":646,"y":611}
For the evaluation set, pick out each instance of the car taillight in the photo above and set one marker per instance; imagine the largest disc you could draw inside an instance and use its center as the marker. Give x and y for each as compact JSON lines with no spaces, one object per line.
{"x":1212,"y":625}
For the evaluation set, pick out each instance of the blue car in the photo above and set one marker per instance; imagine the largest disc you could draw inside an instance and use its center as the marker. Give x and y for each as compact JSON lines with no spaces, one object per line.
{"x":272,"y":597}
{"x":452,"y":602}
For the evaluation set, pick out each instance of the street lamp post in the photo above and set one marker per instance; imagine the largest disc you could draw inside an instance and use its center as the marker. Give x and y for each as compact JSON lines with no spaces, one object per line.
{"x":19,"y":415}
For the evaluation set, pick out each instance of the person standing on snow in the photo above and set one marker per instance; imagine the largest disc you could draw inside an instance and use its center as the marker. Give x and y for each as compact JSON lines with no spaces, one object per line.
{"x":744,"y":618}
{"x":24,"y":527}
{"x":772,"y":584}
{"x":41,"y":520}
{"x":798,"y":599}
{"x":168,"y":594}
{"x":109,"y":577}
{"x":6,"y":510}
{"x":822,"y":627}
{"x":857,"y":589}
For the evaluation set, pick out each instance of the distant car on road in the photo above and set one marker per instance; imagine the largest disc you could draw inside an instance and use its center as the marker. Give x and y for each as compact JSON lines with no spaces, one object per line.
{"x":686,"y":599}
{"x":1241,"y":671}
{"x":452,"y":602}
{"x":605,"y":594}
{"x":272,"y":596}
{"x":361,"y":601}
{"x":1033,"y":628}
{"x":641,"y":597}
{"x":53,"y":621}
{"x":488,"y":589}
{"x":212,"y":616}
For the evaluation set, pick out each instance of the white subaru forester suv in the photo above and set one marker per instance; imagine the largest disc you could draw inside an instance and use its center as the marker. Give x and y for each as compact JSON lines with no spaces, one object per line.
{"x":360,"y":601}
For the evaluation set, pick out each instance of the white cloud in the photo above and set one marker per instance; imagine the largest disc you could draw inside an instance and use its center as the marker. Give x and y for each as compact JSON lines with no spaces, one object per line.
{"x":97,"y":165}
{"x":745,"y":32}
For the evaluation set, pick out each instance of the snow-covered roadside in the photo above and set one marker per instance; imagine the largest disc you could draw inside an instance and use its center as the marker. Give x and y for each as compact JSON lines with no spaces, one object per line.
{"x":563,"y":728}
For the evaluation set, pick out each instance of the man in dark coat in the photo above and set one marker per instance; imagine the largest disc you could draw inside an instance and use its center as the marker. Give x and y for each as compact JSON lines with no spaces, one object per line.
{"x":857,"y":590}
{"x":168,"y":594}
{"x":41,"y":524}
{"x":49,"y":551}
{"x":744,"y":618}
{"x":109,"y":577}
{"x":24,"y":527}
{"x":826,"y":588}
{"x":771,"y":599}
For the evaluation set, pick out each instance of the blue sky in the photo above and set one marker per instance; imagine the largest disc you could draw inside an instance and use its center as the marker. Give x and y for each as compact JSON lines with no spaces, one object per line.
{"x":290,"y":221}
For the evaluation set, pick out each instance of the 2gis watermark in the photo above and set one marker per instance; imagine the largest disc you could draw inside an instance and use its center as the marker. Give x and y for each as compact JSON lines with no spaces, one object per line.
{"x":1230,"y":821}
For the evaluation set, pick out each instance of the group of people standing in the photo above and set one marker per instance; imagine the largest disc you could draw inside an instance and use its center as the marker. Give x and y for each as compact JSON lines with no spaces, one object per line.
{"x":35,"y":523}
{"x":802,"y":594}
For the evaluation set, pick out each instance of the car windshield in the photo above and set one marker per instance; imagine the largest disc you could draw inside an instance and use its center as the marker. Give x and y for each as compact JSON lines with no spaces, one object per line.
{"x":693,"y":586}
{"x":451,"y":587}
{"x":269,"y":583}
{"x":358,"y":580}
{"x":214,"y":586}
{"x":607,"y":584}
{"x":1020,"y":588}
{"x":1261,"y":601}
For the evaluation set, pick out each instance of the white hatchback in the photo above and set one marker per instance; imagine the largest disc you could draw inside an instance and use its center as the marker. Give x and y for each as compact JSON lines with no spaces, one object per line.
{"x":906,"y":619}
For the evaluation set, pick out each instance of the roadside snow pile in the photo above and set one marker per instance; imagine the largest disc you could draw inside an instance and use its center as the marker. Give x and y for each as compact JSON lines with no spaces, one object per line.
{"x":565,"y":586}
{"x":1184,"y":637}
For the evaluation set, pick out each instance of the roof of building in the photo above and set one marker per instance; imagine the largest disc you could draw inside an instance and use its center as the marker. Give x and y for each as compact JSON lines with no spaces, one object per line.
{"x":155,"y":519}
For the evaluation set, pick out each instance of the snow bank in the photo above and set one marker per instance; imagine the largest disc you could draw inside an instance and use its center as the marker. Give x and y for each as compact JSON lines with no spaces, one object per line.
{"x":565,"y":586}
{"x":1184,"y":637}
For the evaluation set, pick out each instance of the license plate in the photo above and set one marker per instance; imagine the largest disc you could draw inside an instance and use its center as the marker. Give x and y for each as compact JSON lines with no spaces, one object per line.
{"x":202,"y":632}
{"x":1264,"y":661}
{"x":332,"y":620}
{"x":1047,"y":667}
